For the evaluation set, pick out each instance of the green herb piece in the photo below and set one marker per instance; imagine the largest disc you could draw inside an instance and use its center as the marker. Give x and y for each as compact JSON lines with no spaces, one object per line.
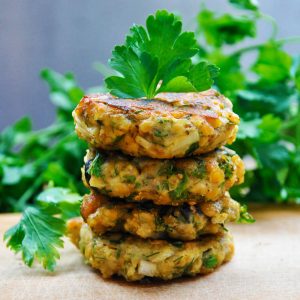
{"x":129,"y":178}
{"x":178,"y":259}
{"x":118,"y":139}
{"x":159,"y":133}
{"x":245,"y":217}
{"x":137,"y":185}
{"x":224,"y":228}
{"x":193,"y":147}
{"x":138,"y":112}
{"x":180,"y":191}
{"x":209,"y":260}
{"x":227,"y":168}
{"x":152,"y":254}
{"x":158,"y":58}
{"x":164,"y":185}
{"x":188,"y":266}
{"x":163,"y":121}
{"x":118,"y":253}
{"x":95,"y":168}
{"x":200,"y":170}
{"x":168,"y":169}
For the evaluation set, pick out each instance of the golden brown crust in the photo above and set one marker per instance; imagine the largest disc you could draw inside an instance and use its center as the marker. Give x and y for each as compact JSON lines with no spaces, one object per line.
{"x":171,"y":125}
{"x":135,"y":258}
{"x":73,"y":230}
{"x":165,"y":182}
{"x":185,"y":222}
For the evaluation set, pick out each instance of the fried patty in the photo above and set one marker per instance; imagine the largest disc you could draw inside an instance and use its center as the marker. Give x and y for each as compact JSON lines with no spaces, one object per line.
{"x":171,"y":125}
{"x":135,"y":258}
{"x":146,"y":220}
{"x":165,"y":182}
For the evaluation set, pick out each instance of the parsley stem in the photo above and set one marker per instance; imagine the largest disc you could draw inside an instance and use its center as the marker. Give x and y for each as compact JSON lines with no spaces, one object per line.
{"x":53,"y":129}
{"x":291,"y":39}
{"x":28,"y":194}
{"x":272,"y":22}
{"x":152,"y":89}
{"x":53,"y":150}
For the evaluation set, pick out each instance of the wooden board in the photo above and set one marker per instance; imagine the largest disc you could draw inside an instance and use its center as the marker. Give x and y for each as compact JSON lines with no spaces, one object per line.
{"x":266,"y":266}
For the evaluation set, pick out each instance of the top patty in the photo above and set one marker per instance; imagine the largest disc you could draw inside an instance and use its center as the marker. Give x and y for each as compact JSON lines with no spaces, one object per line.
{"x":171,"y":125}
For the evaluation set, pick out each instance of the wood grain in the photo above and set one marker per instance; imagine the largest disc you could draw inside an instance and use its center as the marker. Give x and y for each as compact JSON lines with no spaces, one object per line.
{"x":266,"y":266}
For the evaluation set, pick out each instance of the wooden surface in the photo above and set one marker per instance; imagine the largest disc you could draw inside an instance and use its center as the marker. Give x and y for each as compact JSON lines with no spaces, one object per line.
{"x":266,"y":266}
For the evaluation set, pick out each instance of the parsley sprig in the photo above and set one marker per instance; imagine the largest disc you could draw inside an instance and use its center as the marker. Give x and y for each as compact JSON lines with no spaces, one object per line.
{"x":39,"y":233}
{"x":157,"y":59}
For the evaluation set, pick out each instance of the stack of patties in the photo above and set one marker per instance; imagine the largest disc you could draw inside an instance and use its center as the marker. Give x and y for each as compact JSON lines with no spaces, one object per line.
{"x":159,"y":178}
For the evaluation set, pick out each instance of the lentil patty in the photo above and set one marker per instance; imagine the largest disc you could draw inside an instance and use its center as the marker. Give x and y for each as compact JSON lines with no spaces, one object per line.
{"x":171,"y":125}
{"x":135,"y":258}
{"x":185,"y":222}
{"x":165,"y":182}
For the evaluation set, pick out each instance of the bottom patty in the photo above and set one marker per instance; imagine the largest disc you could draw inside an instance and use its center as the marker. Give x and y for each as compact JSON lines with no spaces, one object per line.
{"x":186,"y":222}
{"x":135,"y":258}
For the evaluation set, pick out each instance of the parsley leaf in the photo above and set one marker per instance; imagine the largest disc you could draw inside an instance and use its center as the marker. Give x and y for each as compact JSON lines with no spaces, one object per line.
{"x":158,"y":59}
{"x":17,"y":133}
{"x":231,"y":77}
{"x":64,"y":92}
{"x":225,"y":29}
{"x":269,"y":127}
{"x":264,"y":130}
{"x":68,"y":202}
{"x":38,"y":235}
{"x":273,"y":64}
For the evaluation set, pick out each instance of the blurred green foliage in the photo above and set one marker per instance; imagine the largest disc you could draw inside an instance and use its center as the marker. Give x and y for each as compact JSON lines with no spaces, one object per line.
{"x":265,"y":94}
{"x":30,"y":159}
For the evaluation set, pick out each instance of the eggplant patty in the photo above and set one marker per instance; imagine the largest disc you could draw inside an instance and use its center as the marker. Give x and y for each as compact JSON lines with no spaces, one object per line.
{"x":165,"y":182}
{"x":135,"y":258}
{"x":146,"y":220}
{"x":171,"y":125}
